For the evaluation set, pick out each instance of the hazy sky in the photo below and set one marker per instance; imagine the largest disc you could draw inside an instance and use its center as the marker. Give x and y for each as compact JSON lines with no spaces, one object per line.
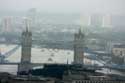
{"x":104,"y":6}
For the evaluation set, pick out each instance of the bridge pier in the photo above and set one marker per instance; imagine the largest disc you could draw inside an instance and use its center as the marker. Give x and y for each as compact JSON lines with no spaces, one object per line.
{"x":24,"y":67}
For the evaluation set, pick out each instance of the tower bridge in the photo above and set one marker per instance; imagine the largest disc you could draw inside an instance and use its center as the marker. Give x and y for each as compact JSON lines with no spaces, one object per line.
{"x":26,"y":43}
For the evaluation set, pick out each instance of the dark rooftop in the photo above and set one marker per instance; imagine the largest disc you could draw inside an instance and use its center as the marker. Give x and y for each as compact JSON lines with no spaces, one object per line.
{"x":120,"y":46}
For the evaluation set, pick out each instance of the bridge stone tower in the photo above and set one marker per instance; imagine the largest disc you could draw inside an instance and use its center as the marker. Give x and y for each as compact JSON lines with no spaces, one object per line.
{"x":78,"y":48}
{"x":26,"y":43}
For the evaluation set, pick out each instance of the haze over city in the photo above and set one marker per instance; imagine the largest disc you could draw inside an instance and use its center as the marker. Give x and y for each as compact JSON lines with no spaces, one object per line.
{"x":65,"y":6}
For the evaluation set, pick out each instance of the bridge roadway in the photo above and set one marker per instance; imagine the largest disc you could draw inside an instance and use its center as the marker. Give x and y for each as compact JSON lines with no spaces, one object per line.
{"x":85,"y":66}
{"x":13,"y":63}
{"x":37,"y":64}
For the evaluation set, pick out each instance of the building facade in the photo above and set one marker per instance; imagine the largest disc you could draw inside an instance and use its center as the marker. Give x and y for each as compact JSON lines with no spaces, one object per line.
{"x":118,"y":52}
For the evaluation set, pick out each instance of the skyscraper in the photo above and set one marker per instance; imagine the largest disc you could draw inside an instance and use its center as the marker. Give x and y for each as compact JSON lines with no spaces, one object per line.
{"x":7,"y":24}
{"x":107,"y":21}
{"x":96,"y":20}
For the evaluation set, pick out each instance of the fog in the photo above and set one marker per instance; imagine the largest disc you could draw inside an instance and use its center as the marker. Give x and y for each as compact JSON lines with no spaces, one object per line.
{"x":65,"y":6}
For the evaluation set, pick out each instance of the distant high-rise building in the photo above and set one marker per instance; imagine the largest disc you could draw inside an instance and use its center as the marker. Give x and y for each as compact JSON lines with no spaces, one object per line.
{"x":96,"y":20}
{"x":107,"y":21}
{"x":84,"y":20}
{"x":78,"y":48}
{"x":7,"y":24}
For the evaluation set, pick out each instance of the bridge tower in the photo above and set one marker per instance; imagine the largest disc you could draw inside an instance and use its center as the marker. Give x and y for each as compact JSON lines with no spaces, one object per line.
{"x":26,"y":43}
{"x":78,"y":48}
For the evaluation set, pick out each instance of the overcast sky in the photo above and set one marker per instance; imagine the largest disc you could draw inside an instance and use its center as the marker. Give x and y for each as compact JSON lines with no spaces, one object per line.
{"x":102,"y":6}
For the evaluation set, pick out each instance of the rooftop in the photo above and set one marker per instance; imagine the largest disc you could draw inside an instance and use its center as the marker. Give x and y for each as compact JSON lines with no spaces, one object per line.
{"x":119,"y":46}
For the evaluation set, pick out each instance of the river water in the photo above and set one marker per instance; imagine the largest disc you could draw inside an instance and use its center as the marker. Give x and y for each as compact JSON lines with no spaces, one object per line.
{"x":39,"y":55}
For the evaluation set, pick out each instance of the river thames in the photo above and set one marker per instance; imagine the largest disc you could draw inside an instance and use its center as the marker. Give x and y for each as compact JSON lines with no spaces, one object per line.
{"x":39,"y":55}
